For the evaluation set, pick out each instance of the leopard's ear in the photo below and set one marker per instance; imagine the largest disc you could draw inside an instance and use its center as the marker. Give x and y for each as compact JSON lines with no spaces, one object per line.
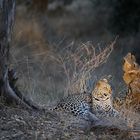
{"x":101,"y":82}
{"x":105,"y":80}
{"x":98,"y":84}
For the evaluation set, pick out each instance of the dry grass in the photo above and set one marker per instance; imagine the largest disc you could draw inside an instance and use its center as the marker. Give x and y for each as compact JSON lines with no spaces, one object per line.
{"x":53,"y":73}
{"x":78,"y":64}
{"x":73,"y":67}
{"x":129,"y":116}
{"x":45,"y":73}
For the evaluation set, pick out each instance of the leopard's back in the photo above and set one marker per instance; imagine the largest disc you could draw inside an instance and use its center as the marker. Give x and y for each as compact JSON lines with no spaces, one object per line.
{"x":76,"y":104}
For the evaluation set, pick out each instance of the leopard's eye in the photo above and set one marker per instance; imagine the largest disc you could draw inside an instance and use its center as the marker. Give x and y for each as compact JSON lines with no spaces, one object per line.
{"x":105,"y":94}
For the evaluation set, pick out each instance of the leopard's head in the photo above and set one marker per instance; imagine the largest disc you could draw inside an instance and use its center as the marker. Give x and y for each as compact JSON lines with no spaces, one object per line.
{"x":102,"y":91}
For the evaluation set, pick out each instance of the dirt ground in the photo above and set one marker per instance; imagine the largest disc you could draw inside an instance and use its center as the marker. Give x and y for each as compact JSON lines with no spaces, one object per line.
{"x":19,"y":124}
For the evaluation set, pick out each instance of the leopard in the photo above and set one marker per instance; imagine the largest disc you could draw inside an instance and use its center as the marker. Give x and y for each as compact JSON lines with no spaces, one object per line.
{"x":89,"y":105}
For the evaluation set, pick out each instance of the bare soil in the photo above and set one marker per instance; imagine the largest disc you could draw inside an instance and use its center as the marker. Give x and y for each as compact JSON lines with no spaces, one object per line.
{"x":19,"y":124}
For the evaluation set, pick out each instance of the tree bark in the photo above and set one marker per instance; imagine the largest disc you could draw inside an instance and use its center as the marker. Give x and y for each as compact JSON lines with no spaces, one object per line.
{"x":7,"y":87}
{"x":7,"y":9}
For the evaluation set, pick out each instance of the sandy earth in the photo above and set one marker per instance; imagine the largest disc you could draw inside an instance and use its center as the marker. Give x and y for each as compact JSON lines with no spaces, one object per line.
{"x":19,"y":124}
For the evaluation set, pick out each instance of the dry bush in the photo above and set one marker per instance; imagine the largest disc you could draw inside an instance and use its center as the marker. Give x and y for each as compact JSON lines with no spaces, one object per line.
{"x":79,"y":63}
{"x":43,"y":69}
{"x":132,"y":80}
{"x":131,"y":69}
{"x":129,"y":105}
{"x":48,"y":74}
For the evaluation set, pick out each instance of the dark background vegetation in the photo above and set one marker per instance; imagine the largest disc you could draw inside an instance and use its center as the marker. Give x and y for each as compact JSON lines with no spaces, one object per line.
{"x":45,"y":28}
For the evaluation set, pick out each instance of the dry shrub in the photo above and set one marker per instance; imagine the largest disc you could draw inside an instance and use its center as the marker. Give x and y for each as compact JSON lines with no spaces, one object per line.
{"x":129,"y":106}
{"x":38,"y":64}
{"x":132,"y":79}
{"x":79,"y":63}
{"x":131,"y":69}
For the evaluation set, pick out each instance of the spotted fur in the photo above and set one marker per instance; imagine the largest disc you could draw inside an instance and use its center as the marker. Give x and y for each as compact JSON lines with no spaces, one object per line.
{"x":75,"y":103}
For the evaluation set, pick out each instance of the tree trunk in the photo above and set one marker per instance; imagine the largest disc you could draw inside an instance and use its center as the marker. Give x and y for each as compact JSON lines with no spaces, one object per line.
{"x":7,"y":88}
{"x":7,"y":8}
